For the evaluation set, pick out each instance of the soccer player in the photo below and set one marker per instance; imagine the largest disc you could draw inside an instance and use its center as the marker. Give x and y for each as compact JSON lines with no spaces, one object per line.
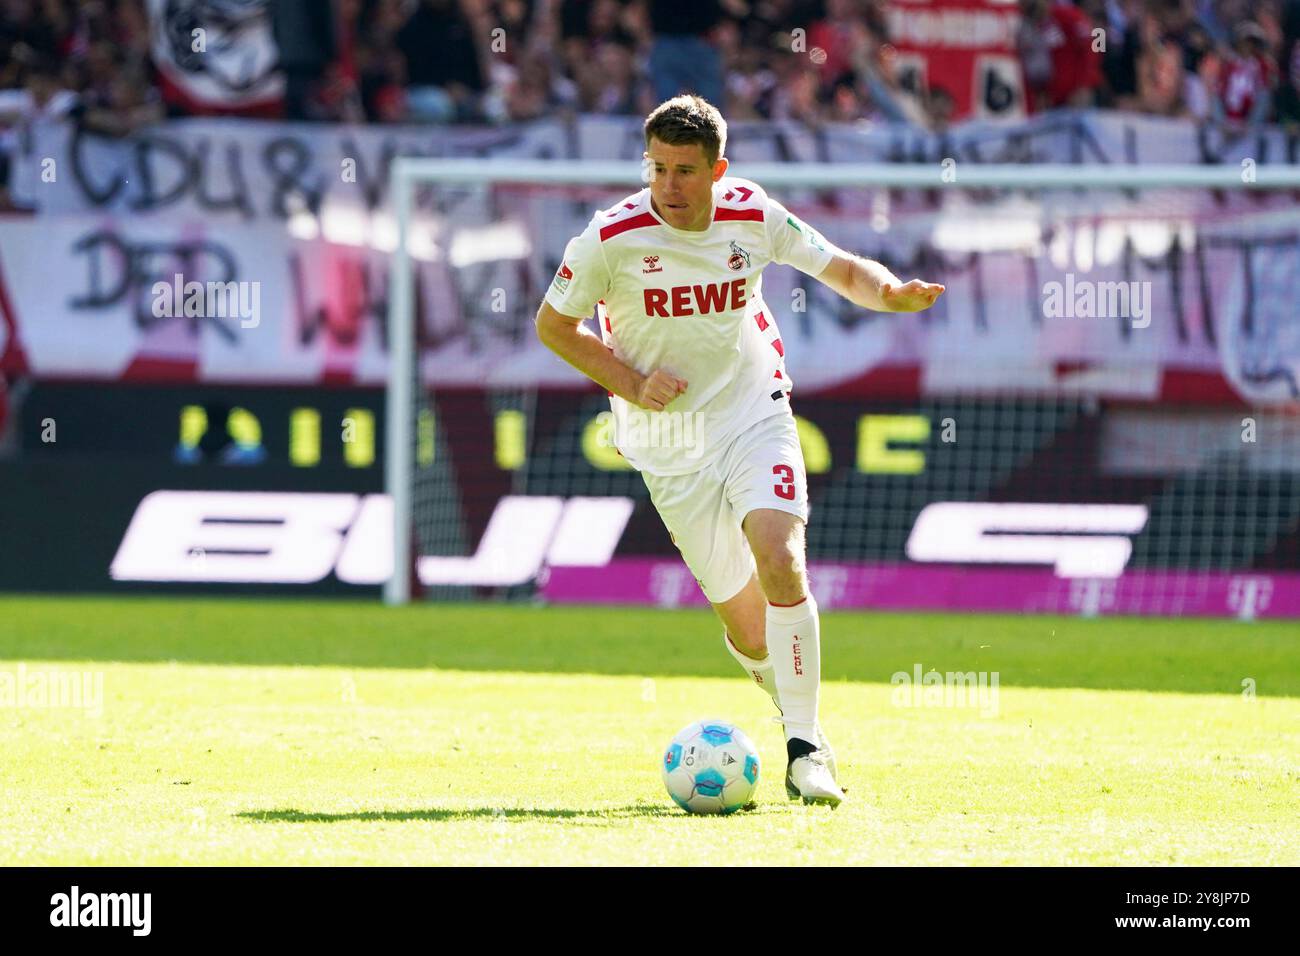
{"x":690,"y":354}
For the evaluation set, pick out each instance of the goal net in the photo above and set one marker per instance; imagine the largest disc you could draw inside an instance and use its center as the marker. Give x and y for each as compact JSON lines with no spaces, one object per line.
{"x":1097,"y":417}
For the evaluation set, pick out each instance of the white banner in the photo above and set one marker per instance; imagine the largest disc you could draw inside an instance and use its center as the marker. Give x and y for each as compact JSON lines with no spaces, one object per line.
{"x":1135,"y":296}
{"x":91,"y":298}
{"x":228,"y":171}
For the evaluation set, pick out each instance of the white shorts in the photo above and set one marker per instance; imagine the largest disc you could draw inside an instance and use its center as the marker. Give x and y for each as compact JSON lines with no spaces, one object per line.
{"x":762,"y":468}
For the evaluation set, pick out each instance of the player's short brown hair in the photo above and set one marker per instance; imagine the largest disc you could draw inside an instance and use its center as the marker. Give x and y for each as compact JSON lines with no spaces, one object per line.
{"x":688,"y":119}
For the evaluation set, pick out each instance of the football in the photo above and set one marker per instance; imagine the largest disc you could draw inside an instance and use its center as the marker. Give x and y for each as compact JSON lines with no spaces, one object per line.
{"x":711,"y":767}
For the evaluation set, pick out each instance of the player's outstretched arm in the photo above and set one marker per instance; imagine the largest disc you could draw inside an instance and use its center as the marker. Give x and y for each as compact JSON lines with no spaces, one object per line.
{"x":568,"y":338}
{"x":868,"y":284}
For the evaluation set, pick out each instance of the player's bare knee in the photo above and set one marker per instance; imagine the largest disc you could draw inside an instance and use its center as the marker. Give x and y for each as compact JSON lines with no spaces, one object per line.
{"x":786,"y":588}
{"x":782,"y":573}
{"x":777,"y":542}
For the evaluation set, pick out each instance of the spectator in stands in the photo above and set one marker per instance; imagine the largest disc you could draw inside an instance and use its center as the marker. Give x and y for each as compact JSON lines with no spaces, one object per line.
{"x":620,"y":88}
{"x":129,"y":104}
{"x":339,"y":92}
{"x":1160,"y":87}
{"x":1198,"y":56}
{"x":132,"y":30}
{"x":796,"y":96}
{"x":836,"y":35}
{"x":751,"y":84}
{"x":43,"y":96}
{"x":1061,"y":63}
{"x":682,"y":58}
{"x":381,"y":68}
{"x":887,"y":93}
{"x":1218,"y":16}
{"x":95,"y":69}
{"x":24,"y":35}
{"x":534,"y":90}
{"x":781,"y":17}
{"x":582,"y":27}
{"x":42,"y":99}
{"x":399,"y":60}
{"x":1288,"y":92}
{"x":840,"y":44}
{"x":844,"y":103}
{"x":939,"y":107}
{"x":1243,"y":95}
{"x":304,"y":32}
{"x":514,"y":18}
{"x":1119,"y":21}
{"x":443,"y":42}
{"x":382,"y":82}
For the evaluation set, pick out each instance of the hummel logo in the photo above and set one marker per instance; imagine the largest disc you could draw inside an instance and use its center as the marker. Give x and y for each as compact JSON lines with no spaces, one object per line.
{"x":652,"y":264}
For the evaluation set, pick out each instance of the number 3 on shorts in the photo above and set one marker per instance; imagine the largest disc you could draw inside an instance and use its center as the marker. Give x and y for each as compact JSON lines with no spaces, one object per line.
{"x":785,"y":488}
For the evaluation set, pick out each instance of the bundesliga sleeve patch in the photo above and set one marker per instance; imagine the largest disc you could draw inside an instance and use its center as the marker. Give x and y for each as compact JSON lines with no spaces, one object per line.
{"x":814,"y":240}
{"x":562,"y":278}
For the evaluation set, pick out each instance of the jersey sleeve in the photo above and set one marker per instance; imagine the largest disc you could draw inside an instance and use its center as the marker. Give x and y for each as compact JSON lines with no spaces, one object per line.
{"x":795,"y":243}
{"x":582,"y":279}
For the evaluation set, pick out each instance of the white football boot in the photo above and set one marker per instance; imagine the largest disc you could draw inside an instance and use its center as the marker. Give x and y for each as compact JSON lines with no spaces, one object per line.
{"x":823,"y":748}
{"x":809,"y":777}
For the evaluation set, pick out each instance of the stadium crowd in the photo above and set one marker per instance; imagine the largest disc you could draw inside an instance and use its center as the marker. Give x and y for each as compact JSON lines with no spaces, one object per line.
{"x":501,"y":61}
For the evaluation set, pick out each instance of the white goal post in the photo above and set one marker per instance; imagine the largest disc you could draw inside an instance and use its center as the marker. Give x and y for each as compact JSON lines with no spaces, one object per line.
{"x":408,"y":174}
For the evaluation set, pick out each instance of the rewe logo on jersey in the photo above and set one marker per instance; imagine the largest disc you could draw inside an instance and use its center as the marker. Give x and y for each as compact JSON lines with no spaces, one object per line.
{"x":695,"y":299}
{"x":651,"y":265}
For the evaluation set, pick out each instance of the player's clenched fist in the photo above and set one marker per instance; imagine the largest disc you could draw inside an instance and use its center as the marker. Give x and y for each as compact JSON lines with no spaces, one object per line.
{"x":658,"y":389}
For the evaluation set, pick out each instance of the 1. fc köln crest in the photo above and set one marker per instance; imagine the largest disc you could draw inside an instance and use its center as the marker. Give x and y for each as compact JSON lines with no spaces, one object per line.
{"x":739,"y":258}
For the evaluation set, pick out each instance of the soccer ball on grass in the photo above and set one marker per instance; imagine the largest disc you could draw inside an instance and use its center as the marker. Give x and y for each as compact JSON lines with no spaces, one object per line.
{"x":711,"y":767}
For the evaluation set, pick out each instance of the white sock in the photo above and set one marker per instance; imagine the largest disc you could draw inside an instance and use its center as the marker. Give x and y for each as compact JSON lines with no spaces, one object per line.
{"x":793,"y":647}
{"x":760,"y":671}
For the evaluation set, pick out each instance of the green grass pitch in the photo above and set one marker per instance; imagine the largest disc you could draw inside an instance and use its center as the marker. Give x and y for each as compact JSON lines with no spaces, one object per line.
{"x":302,"y":732}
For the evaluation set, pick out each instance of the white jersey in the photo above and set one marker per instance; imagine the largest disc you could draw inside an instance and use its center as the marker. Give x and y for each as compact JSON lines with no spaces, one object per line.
{"x":690,"y":303}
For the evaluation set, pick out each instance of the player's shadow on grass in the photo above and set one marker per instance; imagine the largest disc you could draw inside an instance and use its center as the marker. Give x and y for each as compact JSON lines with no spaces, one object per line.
{"x":451,"y":814}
